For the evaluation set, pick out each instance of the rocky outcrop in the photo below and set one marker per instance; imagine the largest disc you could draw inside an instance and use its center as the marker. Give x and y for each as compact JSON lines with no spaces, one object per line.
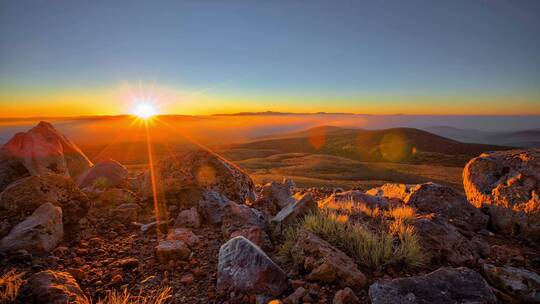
{"x":443,"y":201}
{"x":24,"y":196}
{"x":43,"y":150}
{"x":39,"y":233}
{"x":506,"y":184}
{"x":188,"y":176}
{"x":444,"y":286}
{"x":103,"y":175}
{"x":54,"y":287}
{"x":443,"y":243}
{"x":244,"y":267}
{"x":292,"y":213}
{"x":325,"y":263}
{"x":275,"y":196}
{"x":522,"y":284}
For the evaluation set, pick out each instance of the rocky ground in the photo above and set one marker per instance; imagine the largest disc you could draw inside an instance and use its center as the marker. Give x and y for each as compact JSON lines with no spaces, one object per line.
{"x":72,"y":231}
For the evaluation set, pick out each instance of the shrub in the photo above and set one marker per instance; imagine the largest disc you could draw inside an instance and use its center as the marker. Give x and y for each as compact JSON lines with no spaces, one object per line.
{"x":10,"y":284}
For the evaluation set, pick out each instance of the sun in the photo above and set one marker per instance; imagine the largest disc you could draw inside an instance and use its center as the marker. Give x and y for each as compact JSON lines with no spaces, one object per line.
{"x":145,"y":110}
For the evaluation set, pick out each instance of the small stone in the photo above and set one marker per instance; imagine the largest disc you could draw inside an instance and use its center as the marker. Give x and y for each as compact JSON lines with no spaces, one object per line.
{"x":187,"y":279}
{"x":346,"y":296}
{"x":171,"y":250}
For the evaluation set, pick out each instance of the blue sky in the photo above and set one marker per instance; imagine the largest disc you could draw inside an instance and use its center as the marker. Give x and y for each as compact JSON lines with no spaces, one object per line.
{"x":343,"y":50}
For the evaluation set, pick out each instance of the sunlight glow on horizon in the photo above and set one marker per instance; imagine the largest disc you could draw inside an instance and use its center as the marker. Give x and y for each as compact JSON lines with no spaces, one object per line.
{"x":145,"y":110}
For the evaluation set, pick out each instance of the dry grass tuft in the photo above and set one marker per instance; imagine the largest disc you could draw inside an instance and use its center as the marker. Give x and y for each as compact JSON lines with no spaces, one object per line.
{"x":393,"y":242}
{"x":158,"y":296}
{"x":10,"y":285}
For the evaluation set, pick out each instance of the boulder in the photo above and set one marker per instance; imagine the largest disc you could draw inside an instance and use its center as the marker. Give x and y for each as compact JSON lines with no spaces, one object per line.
{"x":39,"y":233}
{"x":522,"y":284}
{"x":185,"y":235}
{"x":346,"y":296}
{"x":211,"y":206}
{"x":324,"y":263}
{"x":443,"y":243}
{"x":188,"y":218}
{"x":506,"y":184}
{"x":168,"y":250}
{"x":11,"y":169}
{"x":186,"y":177}
{"x":22,"y":197}
{"x":443,"y":286}
{"x":277,"y":194}
{"x":55,"y":287}
{"x":443,"y":201}
{"x":292,"y":213}
{"x":103,"y":175}
{"x":244,"y":267}
{"x":43,"y":150}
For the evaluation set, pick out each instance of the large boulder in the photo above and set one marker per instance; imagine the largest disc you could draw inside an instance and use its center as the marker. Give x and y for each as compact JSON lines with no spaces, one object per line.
{"x":39,"y":233}
{"x":188,"y":176}
{"x":522,"y":284}
{"x":443,"y":286}
{"x":43,"y":150}
{"x":54,"y":287}
{"x":244,"y":267}
{"x":506,"y":184}
{"x":441,"y":200}
{"x":293,"y":213}
{"x":324,"y":263}
{"x":104,"y":174}
{"x":443,"y":243}
{"x":24,"y":196}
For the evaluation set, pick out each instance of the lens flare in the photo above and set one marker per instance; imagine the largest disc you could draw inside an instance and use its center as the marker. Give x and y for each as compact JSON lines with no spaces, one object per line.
{"x":145,"y":110}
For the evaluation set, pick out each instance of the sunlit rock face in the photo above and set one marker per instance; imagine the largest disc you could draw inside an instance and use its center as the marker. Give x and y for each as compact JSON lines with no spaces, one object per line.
{"x":506,"y":184}
{"x":109,"y":173}
{"x":189,"y":175}
{"x":41,"y":150}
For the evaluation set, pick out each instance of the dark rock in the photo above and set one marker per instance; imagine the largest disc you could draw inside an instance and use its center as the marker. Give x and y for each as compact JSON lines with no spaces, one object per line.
{"x":188,"y":218}
{"x":292,"y":213}
{"x":243,"y":267}
{"x":212,"y":205}
{"x":519,"y":283}
{"x":444,"y":286}
{"x":168,"y":250}
{"x":345,"y":296}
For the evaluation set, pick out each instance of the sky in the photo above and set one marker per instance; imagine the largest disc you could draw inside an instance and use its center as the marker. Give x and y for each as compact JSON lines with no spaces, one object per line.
{"x":63,"y":58}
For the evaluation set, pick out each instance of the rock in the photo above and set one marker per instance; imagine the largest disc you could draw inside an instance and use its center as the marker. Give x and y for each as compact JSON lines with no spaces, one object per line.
{"x":355,"y":197}
{"x":154,"y":227}
{"x":296,"y":296}
{"x":444,"y":286}
{"x":103,"y":175}
{"x":293,"y":212}
{"x":517,"y":282}
{"x":24,"y":196}
{"x":506,"y":184}
{"x":245,"y":221}
{"x":481,"y":246}
{"x":41,"y":232}
{"x":345,"y":296}
{"x":443,"y":201}
{"x":11,"y":169}
{"x":443,"y":243}
{"x":54,"y":287}
{"x":188,"y":218}
{"x":185,"y":235}
{"x":243,"y":267}
{"x":187,"y":279}
{"x":168,"y":250}
{"x":186,"y":177}
{"x":126,"y":263}
{"x":116,"y":196}
{"x":277,"y":194}
{"x":325,"y":263}
{"x":212,"y":205}
{"x":43,"y":150}
{"x":126,"y":213}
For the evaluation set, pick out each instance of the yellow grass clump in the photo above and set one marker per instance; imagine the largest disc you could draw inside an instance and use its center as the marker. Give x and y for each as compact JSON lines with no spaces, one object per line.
{"x":10,"y":285}
{"x":158,"y":296}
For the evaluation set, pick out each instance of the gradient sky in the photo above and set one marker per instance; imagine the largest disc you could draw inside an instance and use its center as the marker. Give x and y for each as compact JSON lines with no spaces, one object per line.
{"x":199,"y":57}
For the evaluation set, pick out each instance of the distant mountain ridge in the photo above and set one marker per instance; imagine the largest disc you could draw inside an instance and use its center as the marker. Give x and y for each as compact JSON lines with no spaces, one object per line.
{"x":522,"y":138}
